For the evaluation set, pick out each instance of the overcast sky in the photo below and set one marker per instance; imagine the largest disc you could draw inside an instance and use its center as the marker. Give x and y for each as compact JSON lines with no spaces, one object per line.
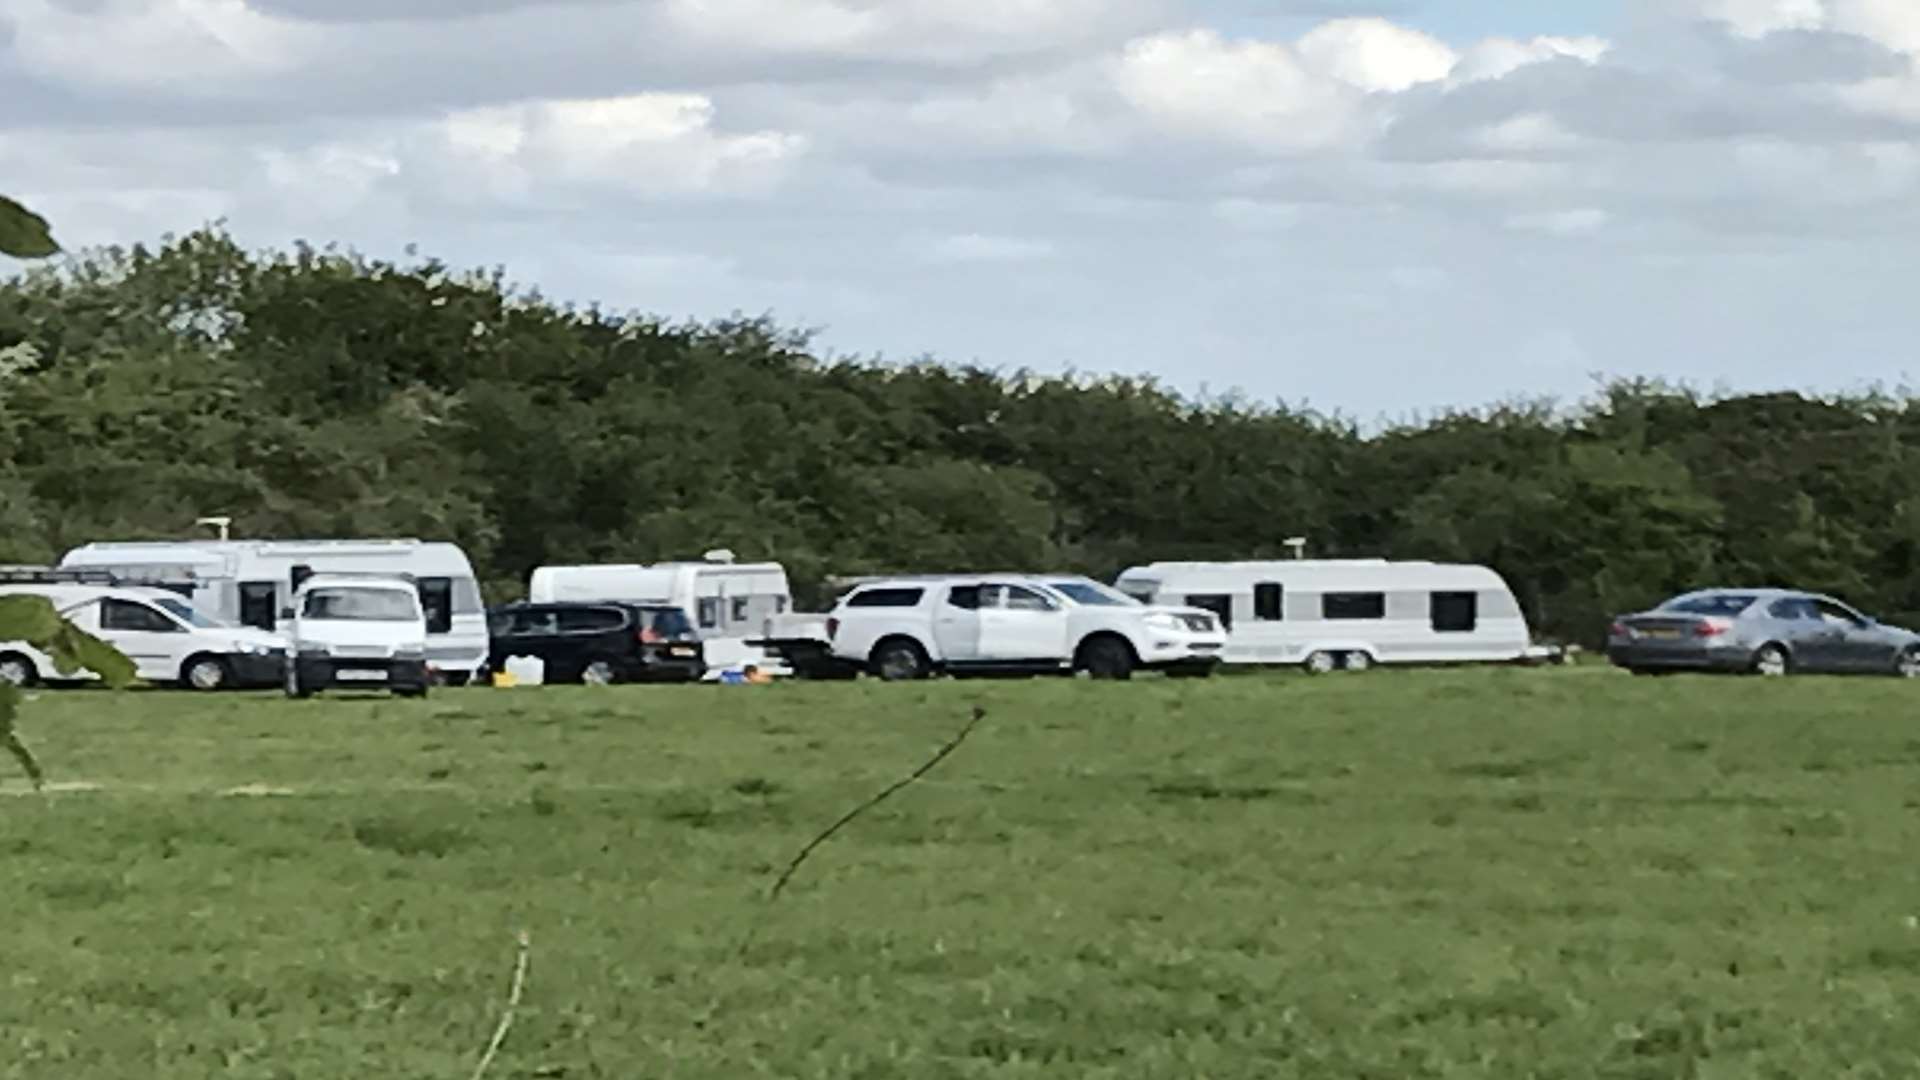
{"x":1380,"y":208}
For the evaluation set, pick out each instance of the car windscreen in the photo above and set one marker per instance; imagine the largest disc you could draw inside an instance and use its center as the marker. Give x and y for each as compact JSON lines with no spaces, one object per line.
{"x":1092,"y":594}
{"x":1725,"y":604}
{"x":185,"y":613}
{"x":362,"y":605}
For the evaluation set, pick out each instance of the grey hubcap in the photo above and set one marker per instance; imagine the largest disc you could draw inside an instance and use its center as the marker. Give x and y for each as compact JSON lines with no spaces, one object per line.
{"x":1910,"y":665}
{"x":898,"y":664}
{"x":1320,"y":663}
{"x":598,"y":673}
{"x":1359,"y":661}
{"x":1772,"y":662}
{"x":14,"y":672}
{"x":206,"y":675}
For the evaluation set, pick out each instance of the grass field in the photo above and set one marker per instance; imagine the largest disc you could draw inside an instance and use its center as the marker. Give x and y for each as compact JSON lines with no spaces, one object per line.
{"x":1500,"y":873}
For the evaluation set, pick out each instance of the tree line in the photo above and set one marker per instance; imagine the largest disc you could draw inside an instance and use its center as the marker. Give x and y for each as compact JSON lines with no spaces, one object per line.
{"x":318,"y":392}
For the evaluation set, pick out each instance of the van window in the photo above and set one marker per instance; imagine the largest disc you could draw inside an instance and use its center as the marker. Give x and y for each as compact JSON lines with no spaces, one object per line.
{"x":1219,"y":603}
{"x":436,"y":599}
{"x":966,"y":597}
{"x":259,"y":604}
{"x":139,"y":618}
{"x":709,"y":611}
{"x":1267,"y":602}
{"x":348,"y":604}
{"x":1455,"y":612}
{"x":886,"y":598}
{"x":591,"y":620}
{"x":1353,"y":606}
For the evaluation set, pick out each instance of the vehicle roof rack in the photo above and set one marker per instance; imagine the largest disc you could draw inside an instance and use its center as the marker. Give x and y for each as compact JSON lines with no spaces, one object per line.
{"x":54,"y":575}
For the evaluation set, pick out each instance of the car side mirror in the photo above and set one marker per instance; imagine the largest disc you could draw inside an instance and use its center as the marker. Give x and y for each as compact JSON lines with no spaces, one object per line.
{"x":286,"y":614}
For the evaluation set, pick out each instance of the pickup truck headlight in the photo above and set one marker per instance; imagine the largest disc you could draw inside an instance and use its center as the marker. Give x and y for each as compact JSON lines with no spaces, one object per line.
{"x":1166,"y":622}
{"x":250,"y":648}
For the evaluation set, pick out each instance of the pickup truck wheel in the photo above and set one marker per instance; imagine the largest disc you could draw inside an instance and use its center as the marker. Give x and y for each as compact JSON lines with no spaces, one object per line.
{"x":900,"y":660}
{"x":17,"y":670}
{"x":204,"y":673}
{"x":1106,"y":658}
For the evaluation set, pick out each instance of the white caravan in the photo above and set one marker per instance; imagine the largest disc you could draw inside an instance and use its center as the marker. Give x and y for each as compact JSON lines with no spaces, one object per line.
{"x":729,"y":603}
{"x":1325,"y":614}
{"x":251,"y":582}
{"x":168,"y":641}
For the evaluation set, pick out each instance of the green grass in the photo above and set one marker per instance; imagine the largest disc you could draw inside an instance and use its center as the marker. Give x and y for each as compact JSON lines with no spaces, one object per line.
{"x":1462,"y":874}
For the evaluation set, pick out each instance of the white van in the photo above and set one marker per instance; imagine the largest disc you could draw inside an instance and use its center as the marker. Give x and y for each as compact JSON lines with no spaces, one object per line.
{"x":1326,"y":614}
{"x":356,"y":630}
{"x":728,"y":602}
{"x":168,"y":641}
{"x":250,"y":582}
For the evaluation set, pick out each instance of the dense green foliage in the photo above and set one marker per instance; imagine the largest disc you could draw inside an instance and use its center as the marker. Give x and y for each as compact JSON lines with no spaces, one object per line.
{"x":1484,"y":875}
{"x":321,"y":393}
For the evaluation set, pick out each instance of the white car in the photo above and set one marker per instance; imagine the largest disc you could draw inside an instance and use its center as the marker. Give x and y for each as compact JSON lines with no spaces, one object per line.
{"x":908,"y":628}
{"x":168,"y":641}
{"x":357,"y":631}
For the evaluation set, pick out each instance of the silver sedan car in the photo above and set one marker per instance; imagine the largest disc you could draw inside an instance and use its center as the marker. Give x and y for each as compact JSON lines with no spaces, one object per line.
{"x":1763,"y":631}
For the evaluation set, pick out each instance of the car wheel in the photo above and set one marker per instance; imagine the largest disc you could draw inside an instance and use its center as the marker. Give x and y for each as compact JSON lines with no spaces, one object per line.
{"x":598,"y":673}
{"x":17,"y":670}
{"x":1107,"y":658}
{"x":1908,"y":666}
{"x":1358,"y":661}
{"x":1771,"y":661}
{"x":204,"y":673}
{"x":1321,"y":662}
{"x":900,"y":660}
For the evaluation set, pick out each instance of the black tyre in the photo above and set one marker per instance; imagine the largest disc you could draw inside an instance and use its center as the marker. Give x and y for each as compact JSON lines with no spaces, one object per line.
{"x":1771,"y":661}
{"x":17,"y":670}
{"x":1908,"y":665}
{"x":205,"y":674}
{"x":296,"y":689}
{"x":1106,"y":658}
{"x":900,"y":660}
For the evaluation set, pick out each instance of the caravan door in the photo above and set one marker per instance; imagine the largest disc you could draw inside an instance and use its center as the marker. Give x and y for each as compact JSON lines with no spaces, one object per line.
{"x":1018,"y":625}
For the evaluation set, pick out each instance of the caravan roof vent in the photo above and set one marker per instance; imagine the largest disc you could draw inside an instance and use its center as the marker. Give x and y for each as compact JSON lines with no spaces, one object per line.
{"x":718,"y":555}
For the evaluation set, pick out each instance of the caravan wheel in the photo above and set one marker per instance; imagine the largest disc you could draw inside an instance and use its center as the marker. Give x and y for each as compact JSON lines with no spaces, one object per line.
{"x":1321,"y":662}
{"x":1359,"y":661}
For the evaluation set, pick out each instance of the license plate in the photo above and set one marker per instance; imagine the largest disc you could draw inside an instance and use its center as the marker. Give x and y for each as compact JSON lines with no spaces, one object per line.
{"x":1660,"y":633}
{"x":682,"y":650}
{"x":351,"y":675}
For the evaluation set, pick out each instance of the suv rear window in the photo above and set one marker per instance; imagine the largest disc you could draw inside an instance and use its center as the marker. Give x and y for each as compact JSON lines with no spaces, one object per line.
{"x":886,"y":598}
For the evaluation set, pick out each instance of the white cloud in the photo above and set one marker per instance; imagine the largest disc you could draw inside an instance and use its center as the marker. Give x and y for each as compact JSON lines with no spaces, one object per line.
{"x":1755,"y":18}
{"x":1255,"y":93}
{"x":1498,"y":57}
{"x":984,"y":248}
{"x":648,"y":144}
{"x":189,"y":47}
{"x":1376,"y":55}
{"x":1579,"y":222}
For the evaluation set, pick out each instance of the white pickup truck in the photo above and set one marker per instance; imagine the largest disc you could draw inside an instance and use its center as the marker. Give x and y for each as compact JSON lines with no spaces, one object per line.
{"x":909,"y":628}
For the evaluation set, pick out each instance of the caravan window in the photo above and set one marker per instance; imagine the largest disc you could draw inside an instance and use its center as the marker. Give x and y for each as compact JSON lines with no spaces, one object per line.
{"x":436,"y":599}
{"x":1267,"y":602}
{"x":1219,"y":603}
{"x":1353,"y":606}
{"x":709,"y":610}
{"x":259,"y":604}
{"x":1456,"y":612}
{"x":740,"y":609}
